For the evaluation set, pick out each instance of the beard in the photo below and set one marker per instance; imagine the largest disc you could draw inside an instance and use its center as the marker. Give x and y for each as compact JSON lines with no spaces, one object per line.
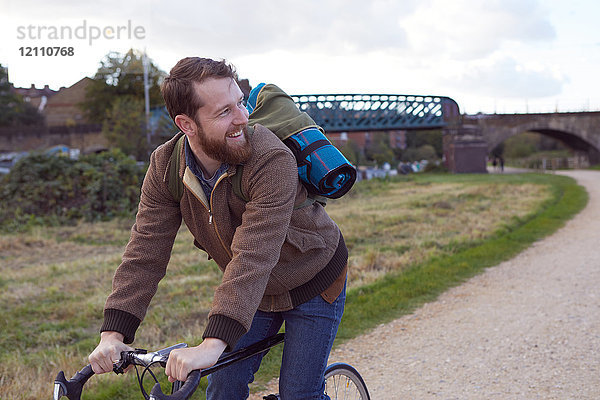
{"x":220,"y":150}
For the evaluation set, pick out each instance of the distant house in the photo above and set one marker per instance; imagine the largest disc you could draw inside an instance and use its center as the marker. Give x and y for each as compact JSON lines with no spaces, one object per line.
{"x":397,"y":138}
{"x":36,"y":97}
{"x":32,"y":95}
{"x":63,"y":109}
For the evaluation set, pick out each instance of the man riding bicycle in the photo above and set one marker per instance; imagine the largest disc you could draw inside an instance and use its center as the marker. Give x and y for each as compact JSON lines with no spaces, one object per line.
{"x":280,"y":262}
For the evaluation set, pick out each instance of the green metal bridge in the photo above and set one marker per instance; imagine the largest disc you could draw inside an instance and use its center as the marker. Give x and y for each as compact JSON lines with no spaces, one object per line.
{"x":373,"y":112}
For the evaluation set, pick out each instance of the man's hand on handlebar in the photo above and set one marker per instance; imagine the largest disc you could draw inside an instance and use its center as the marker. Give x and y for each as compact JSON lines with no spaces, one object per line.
{"x":183,"y":365}
{"x":183,"y":361}
{"x":107,"y":352}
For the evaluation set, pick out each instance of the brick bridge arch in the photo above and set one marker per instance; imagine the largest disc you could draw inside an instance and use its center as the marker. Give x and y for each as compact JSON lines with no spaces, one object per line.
{"x":579,"y":131}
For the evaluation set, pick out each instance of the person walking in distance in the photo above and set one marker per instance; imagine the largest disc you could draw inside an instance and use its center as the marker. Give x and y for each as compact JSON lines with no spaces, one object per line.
{"x":280,"y":263}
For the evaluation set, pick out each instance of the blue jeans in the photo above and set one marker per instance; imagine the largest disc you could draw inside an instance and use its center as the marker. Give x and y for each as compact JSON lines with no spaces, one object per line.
{"x":310,"y":329}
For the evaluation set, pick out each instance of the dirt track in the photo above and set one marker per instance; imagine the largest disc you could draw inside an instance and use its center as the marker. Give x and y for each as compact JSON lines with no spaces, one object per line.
{"x":528,"y":328}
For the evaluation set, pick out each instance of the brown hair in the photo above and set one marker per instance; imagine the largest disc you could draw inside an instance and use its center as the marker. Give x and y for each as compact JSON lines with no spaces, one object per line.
{"x":178,"y":90}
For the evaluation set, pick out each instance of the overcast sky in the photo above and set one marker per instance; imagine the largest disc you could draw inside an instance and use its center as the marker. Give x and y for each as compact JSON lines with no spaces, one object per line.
{"x":491,"y":56}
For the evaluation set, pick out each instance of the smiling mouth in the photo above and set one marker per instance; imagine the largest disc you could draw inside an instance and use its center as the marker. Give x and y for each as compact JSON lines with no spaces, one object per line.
{"x":236,"y":134}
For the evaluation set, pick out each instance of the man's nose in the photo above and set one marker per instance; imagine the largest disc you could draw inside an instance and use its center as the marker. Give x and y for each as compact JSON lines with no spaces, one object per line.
{"x":241,"y":116}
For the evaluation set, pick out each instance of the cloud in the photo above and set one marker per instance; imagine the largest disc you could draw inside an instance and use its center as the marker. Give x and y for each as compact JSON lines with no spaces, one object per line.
{"x":501,"y":49}
{"x":239,"y":28}
{"x":236,"y":28}
{"x":467,"y":30}
{"x":506,"y":78}
{"x":460,"y":29}
{"x":36,"y":11}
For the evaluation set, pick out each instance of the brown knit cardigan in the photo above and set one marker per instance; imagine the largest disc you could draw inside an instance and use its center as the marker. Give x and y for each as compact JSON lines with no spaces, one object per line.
{"x":272,"y":256}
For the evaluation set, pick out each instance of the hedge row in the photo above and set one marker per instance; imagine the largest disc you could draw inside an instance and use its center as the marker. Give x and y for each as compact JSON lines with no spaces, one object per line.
{"x":49,"y":189}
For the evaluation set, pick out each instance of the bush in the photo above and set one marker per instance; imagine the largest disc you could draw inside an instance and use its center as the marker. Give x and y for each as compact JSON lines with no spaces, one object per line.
{"x":47,"y":189}
{"x":436,"y":167}
{"x":425,"y":152}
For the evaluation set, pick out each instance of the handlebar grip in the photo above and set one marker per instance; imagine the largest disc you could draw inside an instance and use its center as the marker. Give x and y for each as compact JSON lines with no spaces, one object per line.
{"x":186,"y":391}
{"x":72,"y":388}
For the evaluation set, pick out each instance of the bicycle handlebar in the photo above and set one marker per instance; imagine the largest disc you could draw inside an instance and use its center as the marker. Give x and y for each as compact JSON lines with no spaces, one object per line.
{"x":185,"y":392}
{"x":193,"y":379}
{"x":73,"y":387}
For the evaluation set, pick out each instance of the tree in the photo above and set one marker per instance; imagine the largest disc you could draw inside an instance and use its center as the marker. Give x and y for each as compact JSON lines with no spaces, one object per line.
{"x":14,"y":110}
{"x":8,"y":99}
{"x":353,"y":153}
{"x":520,"y":146}
{"x":121,"y":75}
{"x":124,"y":127}
{"x":379,"y":149}
{"x":417,"y":139}
{"x":425,"y":152}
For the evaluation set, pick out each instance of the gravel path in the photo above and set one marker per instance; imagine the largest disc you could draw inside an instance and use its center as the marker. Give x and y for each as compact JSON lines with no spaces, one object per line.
{"x":528,"y":328}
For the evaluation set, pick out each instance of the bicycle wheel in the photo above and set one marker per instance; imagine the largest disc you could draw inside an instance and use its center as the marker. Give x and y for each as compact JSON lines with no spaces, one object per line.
{"x":342,"y":381}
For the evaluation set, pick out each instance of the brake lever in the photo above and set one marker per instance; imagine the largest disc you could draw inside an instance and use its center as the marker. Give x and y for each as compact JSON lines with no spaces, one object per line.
{"x":120,"y":366}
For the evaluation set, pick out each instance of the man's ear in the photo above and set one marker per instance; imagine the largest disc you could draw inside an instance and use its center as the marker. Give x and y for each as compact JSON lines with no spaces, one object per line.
{"x":186,"y":124}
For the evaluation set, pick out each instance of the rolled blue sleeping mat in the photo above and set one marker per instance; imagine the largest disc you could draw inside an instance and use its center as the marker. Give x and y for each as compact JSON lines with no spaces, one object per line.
{"x":321,"y":166}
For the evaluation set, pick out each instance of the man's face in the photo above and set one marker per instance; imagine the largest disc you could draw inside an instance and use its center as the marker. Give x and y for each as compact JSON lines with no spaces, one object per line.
{"x":222,"y":121}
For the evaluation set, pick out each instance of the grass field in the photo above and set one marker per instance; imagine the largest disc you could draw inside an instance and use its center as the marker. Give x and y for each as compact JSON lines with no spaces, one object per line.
{"x":409,"y":239}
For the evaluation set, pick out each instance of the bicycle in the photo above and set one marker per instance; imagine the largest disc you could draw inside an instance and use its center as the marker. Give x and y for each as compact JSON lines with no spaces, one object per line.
{"x":342,"y":381}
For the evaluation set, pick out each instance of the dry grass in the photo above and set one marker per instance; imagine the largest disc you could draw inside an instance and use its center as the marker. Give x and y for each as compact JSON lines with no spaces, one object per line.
{"x":413,"y":221}
{"x":53,"y":281}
